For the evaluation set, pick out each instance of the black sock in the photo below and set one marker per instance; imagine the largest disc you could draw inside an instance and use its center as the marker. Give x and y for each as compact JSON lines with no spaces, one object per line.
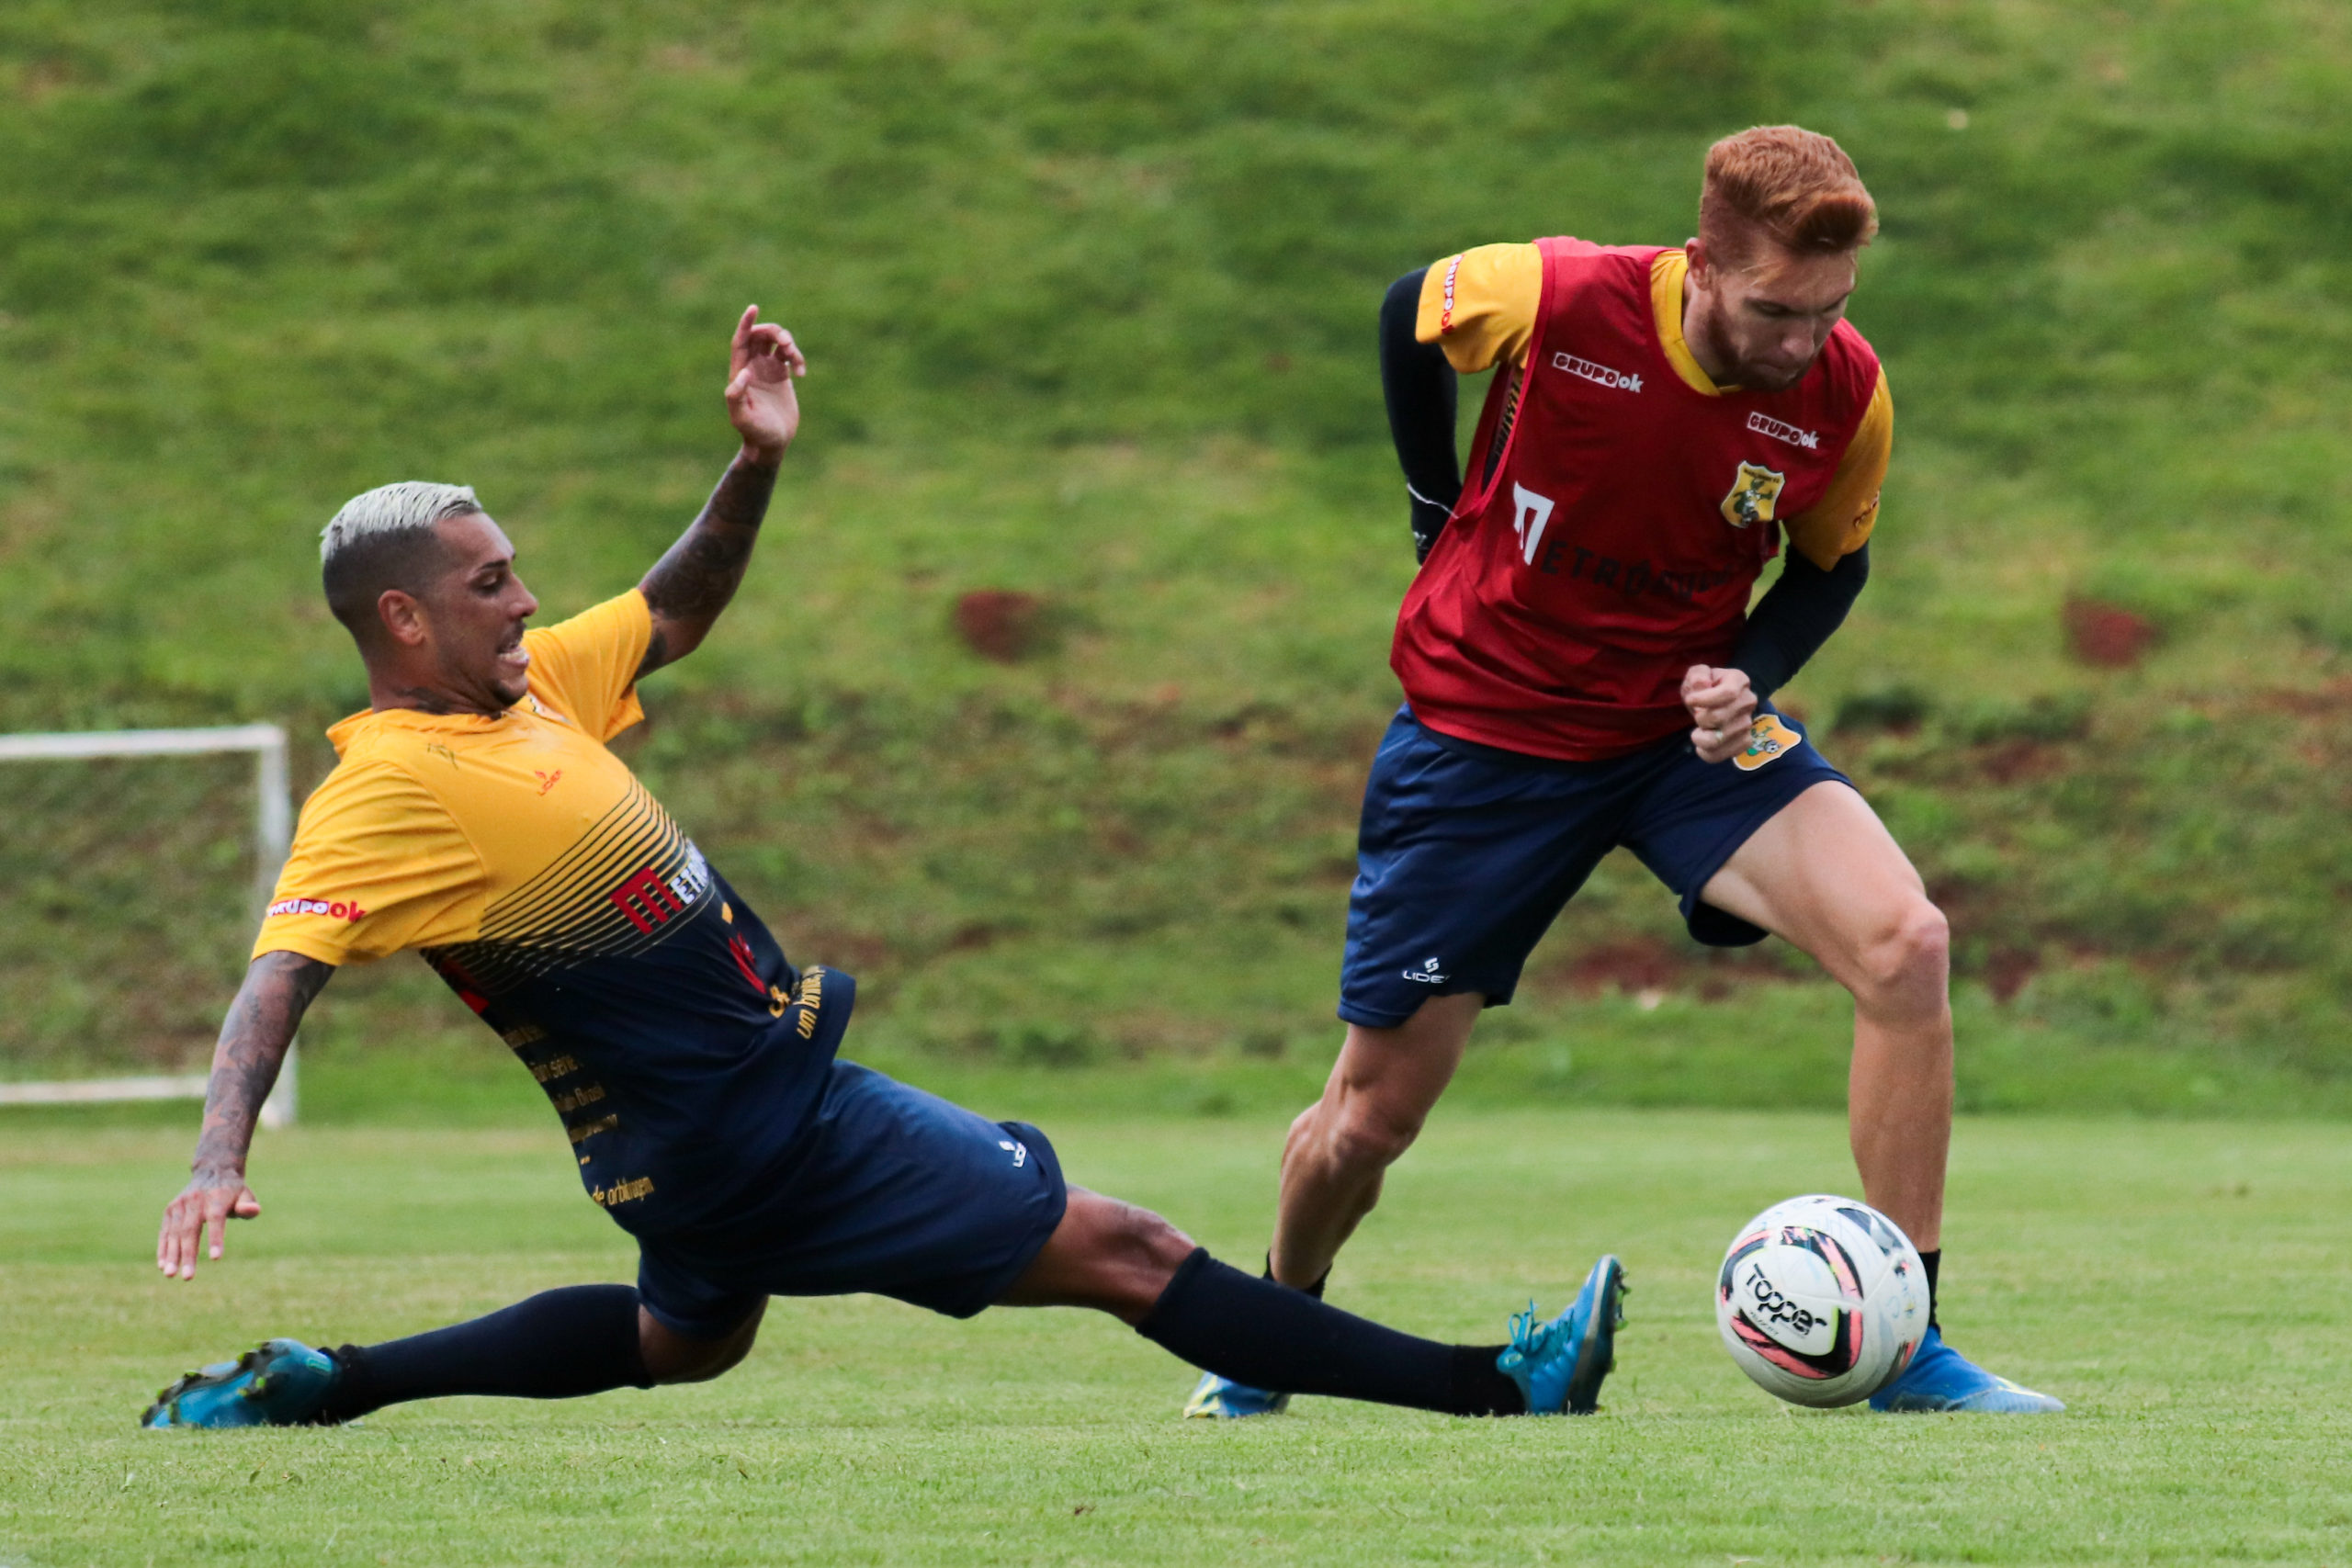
{"x":1271,"y":1337}
{"x":1933,"y":1262}
{"x":1315,"y":1289}
{"x":557,"y":1345}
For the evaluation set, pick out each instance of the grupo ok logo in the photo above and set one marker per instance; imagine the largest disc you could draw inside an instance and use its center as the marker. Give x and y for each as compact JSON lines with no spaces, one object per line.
{"x":335,"y":909}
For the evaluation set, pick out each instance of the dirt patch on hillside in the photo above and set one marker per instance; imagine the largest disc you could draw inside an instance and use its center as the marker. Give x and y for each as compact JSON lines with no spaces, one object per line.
{"x":1002,"y":624}
{"x":2018,"y":761}
{"x":2108,"y":635}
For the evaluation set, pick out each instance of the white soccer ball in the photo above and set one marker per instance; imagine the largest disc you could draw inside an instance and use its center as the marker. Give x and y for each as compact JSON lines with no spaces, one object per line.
{"x":1822,"y":1301}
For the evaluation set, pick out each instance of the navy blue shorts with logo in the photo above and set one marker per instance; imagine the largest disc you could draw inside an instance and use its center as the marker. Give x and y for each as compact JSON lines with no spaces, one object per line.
{"x":1466,"y":855}
{"x":893,"y":1191}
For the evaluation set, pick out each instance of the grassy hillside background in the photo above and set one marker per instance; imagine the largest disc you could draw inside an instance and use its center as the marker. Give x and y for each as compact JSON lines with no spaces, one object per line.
{"x":1088,"y":290}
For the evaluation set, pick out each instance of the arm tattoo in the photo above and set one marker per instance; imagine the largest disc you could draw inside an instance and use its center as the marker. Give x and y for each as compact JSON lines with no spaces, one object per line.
{"x":254,"y":1041}
{"x":690,"y":585}
{"x":741,"y":497}
{"x":696,"y":579}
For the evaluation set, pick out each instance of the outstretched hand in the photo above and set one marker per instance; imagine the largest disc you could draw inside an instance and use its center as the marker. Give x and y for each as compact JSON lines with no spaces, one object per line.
{"x":761,"y":404}
{"x":1723,"y":707}
{"x":201,"y":1214}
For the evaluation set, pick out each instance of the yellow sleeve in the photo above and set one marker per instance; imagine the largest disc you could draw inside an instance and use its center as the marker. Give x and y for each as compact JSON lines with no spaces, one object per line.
{"x":585,"y":668}
{"x":1480,"y":306}
{"x":1840,"y":522}
{"x":379,"y":866}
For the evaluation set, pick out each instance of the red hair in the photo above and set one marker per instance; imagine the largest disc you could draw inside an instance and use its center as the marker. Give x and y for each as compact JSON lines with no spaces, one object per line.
{"x":1792,"y":185}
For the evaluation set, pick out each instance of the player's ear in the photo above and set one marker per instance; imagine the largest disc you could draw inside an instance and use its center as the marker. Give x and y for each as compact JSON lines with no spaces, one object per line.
{"x":402,"y":616}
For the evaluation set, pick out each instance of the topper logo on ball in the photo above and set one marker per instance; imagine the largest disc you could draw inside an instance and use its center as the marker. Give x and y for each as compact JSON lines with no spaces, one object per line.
{"x":1776,"y":1310}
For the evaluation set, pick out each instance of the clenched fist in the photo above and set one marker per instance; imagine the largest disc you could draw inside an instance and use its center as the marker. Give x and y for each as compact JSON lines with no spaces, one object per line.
{"x":1723,"y":706}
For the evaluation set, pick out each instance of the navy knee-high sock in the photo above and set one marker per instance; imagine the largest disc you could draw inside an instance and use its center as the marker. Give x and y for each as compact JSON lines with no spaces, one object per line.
{"x":1268,"y":1336}
{"x":557,"y":1345}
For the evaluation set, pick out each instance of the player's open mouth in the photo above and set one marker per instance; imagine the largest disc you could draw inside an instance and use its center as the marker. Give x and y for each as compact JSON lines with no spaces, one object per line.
{"x":516,"y":655}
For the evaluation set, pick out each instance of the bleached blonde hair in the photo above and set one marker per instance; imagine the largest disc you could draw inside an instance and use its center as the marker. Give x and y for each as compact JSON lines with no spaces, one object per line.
{"x":409,"y":507}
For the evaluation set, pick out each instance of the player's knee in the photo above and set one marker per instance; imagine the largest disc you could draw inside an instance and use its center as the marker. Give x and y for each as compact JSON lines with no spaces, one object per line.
{"x":1136,"y":1254}
{"x":1146,"y":1246}
{"x":1909,"y":962}
{"x":1372,"y":1136}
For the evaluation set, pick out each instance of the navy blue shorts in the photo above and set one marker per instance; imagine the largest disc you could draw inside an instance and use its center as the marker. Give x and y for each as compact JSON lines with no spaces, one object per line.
{"x":894,"y":1192}
{"x":1467,"y":854}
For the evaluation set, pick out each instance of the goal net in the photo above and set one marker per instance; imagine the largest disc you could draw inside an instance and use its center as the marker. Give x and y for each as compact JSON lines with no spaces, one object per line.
{"x":136,"y":864}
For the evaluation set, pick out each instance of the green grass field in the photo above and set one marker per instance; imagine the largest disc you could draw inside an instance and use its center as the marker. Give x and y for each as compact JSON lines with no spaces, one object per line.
{"x":2181,"y":1285}
{"x":1089,"y":290}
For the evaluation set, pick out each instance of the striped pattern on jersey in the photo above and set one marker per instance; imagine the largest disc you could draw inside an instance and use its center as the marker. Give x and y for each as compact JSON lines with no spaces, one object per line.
{"x":619,"y":891}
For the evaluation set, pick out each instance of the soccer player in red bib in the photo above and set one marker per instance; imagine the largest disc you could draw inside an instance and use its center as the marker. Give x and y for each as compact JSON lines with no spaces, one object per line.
{"x":477,"y":818}
{"x":1582,"y":671}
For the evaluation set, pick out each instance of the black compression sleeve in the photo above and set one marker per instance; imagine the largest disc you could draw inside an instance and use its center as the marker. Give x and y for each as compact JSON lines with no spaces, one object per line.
{"x":1789,"y":623}
{"x":1421,"y":391}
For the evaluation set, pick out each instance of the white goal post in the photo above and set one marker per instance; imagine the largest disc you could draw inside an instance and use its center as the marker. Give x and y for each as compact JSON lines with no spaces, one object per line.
{"x":273,"y":832}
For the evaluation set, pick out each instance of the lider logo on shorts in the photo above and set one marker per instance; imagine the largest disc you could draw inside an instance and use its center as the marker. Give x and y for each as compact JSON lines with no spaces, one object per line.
{"x":1753,"y":490}
{"x":1428,"y":974}
{"x":335,"y":909}
{"x":1767,"y":739}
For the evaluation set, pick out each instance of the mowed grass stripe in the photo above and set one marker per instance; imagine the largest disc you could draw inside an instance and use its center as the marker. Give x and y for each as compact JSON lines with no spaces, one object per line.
{"x":2177,"y":1283}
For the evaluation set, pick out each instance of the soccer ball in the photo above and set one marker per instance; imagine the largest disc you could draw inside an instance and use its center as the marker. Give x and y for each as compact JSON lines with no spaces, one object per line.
{"x":1822,"y":1301}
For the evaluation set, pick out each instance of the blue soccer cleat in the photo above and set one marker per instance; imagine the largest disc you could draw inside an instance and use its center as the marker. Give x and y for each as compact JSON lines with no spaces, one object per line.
{"x":1558,"y":1365}
{"x":281,"y":1382}
{"x":1940,"y":1378}
{"x":1222,"y":1399}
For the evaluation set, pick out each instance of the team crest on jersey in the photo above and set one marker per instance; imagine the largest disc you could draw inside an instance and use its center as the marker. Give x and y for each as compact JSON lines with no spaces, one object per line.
{"x":1752,"y":495}
{"x":1767,"y":739}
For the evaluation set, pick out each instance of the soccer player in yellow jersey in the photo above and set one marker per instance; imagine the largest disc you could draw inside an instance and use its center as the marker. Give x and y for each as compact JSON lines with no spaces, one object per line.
{"x":477,"y":818}
{"x":1582,"y":672}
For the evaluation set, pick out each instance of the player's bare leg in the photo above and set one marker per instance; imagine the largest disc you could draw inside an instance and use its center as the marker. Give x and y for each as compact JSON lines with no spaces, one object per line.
{"x":1379,"y":1094}
{"x":1107,"y":1255}
{"x":1825,"y":875}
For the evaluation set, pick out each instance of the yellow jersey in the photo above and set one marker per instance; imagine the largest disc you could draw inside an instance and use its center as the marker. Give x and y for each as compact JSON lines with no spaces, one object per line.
{"x":553,"y":894}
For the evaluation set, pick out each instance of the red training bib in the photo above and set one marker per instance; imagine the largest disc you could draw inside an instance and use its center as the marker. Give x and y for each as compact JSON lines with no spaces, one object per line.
{"x":1622,"y":533}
